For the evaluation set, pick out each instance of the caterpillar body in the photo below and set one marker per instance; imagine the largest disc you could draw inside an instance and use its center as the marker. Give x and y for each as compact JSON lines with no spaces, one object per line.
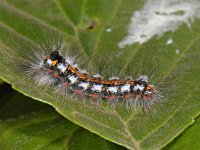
{"x":58,"y":65}
{"x":59,"y":70}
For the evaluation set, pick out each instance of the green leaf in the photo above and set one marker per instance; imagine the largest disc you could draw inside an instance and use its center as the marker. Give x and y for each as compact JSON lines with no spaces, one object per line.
{"x":189,"y":139}
{"x":28,"y":124}
{"x":152,"y":130}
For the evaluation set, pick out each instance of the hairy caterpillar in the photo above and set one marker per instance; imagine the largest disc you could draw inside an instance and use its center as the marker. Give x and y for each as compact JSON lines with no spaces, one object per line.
{"x":49,"y":67}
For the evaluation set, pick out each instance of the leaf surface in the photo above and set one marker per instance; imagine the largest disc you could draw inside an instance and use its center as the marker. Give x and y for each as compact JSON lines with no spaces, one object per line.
{"x":20,"y":21}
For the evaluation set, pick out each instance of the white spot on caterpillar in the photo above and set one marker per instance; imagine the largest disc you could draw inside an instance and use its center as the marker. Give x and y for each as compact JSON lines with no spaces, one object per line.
{"x":84,"y":85}
{"x":72,"y":79}
{"x":62,"y":67}
{"x":97,"y":88}
{"x":125,"y":88}
{"x":112,"y":89}
{"x":49,"y":62}
{"x":138,"y":87}
{"x":148,"y":92}
{"x":158,"y":17}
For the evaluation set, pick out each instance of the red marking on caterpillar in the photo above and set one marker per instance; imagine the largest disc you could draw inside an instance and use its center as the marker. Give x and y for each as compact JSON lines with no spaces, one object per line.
{"x":49,"y":67}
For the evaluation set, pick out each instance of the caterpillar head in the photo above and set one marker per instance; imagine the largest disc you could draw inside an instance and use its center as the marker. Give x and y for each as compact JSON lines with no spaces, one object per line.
{"x":53,"y":59}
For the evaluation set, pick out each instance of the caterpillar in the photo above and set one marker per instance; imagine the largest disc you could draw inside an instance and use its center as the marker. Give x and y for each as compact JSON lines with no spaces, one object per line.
{"x":50,"y":67}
